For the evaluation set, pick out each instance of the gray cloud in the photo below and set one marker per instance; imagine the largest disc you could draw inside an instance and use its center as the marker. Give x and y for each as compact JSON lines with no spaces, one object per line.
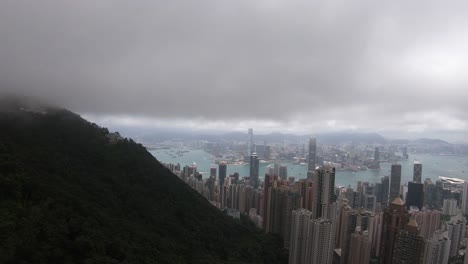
{"x":302,"y":65}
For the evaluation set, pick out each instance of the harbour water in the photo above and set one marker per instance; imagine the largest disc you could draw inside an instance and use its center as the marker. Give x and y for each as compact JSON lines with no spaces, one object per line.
{"x":433,"y":167}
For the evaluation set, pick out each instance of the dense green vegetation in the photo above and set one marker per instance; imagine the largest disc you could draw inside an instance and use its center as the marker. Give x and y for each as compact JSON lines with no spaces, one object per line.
{"x":68,"y":196}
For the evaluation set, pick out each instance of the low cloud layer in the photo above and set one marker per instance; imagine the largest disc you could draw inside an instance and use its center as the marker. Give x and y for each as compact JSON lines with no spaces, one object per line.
{"x":396,"y":68}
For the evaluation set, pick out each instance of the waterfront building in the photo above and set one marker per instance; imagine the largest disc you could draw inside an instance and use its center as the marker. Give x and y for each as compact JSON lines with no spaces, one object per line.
{"x":254,"y":170}
{"x":417,"y":172}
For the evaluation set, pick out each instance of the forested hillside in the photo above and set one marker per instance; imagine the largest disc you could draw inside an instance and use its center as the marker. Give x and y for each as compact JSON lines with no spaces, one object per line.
{"x":67,"y":195}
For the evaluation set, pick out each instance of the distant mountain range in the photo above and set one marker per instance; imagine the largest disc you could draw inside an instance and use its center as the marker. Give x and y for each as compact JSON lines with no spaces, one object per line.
{"x":334,"y":138}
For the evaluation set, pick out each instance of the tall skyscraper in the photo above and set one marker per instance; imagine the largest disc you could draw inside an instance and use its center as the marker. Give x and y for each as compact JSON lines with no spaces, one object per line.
{"x":376,"y":154}
{"x":254,"y":170}
{"x":417,"y":172}
{"x":222,"y":177}
{"x":324,"y":193}
{"x":299,"y":231}
{"x":312,"y":154}
{"x":415,"y":196}
{"x":385,"y":190}
{"x":395,"y":181}
{"x":409,"y":246}
{"x":395,"y":219}
{"x":283,"y":172}
{"x":250,"y":143}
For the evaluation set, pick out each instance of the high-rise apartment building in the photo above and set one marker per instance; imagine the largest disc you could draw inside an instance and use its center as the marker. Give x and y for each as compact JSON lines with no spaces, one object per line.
{"x":299,"y":232}
{"x":320,"y":241}
{"x":359,"y":248}
{"x":464,"y":204}
{"x":437,"y":248}
{"x":324,"y":193}
{"x":449,"y":207}
{"x":428,"y":222}
{"x":455,"y":229}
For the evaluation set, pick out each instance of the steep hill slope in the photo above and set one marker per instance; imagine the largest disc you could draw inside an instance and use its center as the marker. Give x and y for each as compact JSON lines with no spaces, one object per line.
{"x":69,"y":196}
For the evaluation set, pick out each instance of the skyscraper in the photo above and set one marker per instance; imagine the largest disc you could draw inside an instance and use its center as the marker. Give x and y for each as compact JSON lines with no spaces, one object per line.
{"x":283,"y":172}
{"x":250,"y":143}
{"x":312,"y":154}
{"x":324,"y":193}
{"x":409,"y":246}
{"x":346,"y":227}
{"x":320,"y":241}
{"x":417,"y":172}
{"x":415,"y":196}
{"x":376,"y":154}
{"x":222,"y":176}
{"x":395,"y":219}
{"x":385,"y":190}
{"x":395,"y":182}
{"x":254,"y":170}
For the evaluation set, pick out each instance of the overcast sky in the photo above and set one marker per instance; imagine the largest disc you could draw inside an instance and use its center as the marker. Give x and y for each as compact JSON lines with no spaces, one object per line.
{"x":399,"y":68}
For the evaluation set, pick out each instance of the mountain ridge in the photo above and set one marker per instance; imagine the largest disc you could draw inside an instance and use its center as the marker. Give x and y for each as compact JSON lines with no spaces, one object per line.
{"x":69,"y":196}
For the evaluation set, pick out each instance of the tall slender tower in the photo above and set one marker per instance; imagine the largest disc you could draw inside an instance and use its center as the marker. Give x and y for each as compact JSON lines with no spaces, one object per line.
{"x":222,"y":176}
{"x":254,"y":170}
{"x":464,"y":205}
{"x":250,"y":143}
{"x":395,"y":219}
{"x":417,"y":172}
{"x":385,"y":190}
{"x":395,"y":181}
{"x":312,"y":154}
